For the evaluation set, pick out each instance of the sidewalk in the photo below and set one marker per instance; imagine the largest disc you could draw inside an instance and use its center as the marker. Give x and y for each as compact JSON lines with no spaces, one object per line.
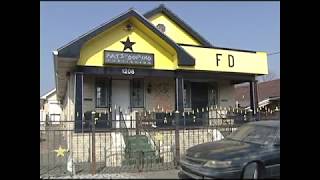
{"x":168,"y":174}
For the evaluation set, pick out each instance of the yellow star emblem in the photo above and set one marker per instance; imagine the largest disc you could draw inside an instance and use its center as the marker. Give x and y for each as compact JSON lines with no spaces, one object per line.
{"x":159,"y":137}
{"x":60,"y":151}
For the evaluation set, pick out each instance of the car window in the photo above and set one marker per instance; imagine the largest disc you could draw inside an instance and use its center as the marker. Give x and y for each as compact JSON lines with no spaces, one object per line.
{"x":255,"y":134}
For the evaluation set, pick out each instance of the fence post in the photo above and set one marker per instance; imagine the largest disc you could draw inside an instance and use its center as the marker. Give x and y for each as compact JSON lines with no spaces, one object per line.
{"x":93,"y":162}
{"x":177,"y":139}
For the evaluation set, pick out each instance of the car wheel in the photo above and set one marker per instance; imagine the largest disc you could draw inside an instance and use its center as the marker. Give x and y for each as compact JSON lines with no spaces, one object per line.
{"x":251,"y":171}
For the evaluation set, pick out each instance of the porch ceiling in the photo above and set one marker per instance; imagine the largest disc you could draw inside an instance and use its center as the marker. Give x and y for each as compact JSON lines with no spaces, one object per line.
{"x":62,"y":66}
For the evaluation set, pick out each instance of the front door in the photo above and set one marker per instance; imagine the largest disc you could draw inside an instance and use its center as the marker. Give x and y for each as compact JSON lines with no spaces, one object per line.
{"x":120,"y":98}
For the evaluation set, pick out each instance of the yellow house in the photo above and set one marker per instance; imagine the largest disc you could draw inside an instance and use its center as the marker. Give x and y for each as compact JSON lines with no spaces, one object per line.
{"x":140,"y":62}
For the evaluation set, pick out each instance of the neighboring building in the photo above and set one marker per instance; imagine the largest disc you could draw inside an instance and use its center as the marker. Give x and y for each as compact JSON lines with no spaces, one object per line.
{"x":50,"y":108}
{"x":268,"y":96}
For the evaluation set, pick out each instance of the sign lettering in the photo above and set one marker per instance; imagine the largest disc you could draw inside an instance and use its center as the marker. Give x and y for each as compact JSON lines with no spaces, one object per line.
{"x":230,"y":60}
{"x":128,"y":58}
{"x":127,"y":71}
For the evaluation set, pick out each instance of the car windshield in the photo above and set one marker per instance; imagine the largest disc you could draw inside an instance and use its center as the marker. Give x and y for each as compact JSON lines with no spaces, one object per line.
{"x":254,"y":134}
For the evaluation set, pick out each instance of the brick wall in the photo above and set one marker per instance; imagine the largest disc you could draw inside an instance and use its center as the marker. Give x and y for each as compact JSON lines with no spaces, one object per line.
{"x":162,"y":93}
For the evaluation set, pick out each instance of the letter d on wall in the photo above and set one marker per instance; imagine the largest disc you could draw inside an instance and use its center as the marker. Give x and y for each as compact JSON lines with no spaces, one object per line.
{"x":231,"y":60}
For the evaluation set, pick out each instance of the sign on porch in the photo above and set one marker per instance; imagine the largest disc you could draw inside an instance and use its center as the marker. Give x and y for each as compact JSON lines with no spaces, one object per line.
{"x":128,"y":58}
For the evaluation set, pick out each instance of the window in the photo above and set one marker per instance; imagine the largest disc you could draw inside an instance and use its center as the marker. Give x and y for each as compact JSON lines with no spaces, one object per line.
{"x":161,"y":27}
{"x":54,"y":117}
{"x":102,"y":93}
{"x":212,"y":95}
{"x":137,"y":93}
{"x":187,"y":94}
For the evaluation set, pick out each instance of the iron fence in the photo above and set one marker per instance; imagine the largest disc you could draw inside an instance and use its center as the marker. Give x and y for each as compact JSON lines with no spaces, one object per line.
{"x":140,"y":141}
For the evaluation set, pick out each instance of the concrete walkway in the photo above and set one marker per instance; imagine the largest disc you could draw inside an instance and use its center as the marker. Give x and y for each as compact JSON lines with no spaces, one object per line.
{"x":168,"y":174}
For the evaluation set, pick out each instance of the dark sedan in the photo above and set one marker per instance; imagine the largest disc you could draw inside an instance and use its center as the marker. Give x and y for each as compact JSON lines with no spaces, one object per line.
{"x":251,"y":152}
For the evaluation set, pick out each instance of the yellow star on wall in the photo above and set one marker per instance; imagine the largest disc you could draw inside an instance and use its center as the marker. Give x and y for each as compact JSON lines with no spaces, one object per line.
{"x":60,"y":151}
{"x":159,"y":137}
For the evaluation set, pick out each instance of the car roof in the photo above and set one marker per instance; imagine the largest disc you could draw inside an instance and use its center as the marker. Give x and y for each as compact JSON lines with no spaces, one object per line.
{"x":273,"y":123}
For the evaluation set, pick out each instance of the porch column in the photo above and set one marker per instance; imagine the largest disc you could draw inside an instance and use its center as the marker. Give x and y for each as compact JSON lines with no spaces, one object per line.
{"x":256,"y":100}
{"x":253,"y":97}
{"x":78,"y":101}
{"x":179,"y":110}
{"x":179,"y":94}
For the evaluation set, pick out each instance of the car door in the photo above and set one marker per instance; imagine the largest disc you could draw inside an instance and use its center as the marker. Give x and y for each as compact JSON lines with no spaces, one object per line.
{"x":275,"y":170}
{"x":271,"y":157}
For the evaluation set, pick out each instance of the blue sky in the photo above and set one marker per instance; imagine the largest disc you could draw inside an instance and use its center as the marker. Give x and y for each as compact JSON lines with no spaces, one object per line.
{"x":242,"y":25}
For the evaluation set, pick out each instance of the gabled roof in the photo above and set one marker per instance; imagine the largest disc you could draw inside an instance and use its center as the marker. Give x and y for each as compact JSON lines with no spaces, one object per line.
{"x":180,"y":22}
{"x":72,"y":49}
{"x":48,"y":94}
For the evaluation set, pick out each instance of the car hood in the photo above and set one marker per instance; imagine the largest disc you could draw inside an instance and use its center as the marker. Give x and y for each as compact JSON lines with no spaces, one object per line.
{"x":222,"y":150}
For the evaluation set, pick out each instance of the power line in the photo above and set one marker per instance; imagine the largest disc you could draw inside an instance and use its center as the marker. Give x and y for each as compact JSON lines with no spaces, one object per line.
{"x":273,"y":53}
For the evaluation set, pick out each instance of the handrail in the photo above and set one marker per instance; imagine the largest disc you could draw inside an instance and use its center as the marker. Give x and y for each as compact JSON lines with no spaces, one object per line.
{"x":124,"y":130}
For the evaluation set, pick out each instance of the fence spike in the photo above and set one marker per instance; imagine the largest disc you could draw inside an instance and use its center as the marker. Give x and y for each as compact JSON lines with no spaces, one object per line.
{"x":216,"y":107}
{"x":161,"y":109}
{"x":188,"y":113}
{"x":207,"y":108}
{"x":202,"y":109}
{"x":183,"y":114}
{"x":232,"y":109}
{"x":158,"y":107}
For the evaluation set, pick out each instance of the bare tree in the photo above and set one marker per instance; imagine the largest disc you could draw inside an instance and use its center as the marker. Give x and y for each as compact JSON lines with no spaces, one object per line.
{"x":268,"y":77}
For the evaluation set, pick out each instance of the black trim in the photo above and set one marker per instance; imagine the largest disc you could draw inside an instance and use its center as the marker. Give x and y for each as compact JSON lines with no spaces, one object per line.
{"x":117,"y":71}
{"x":178,"y":21}
{"x":78,"y":101}
{"x":215,"y":47}
{"x":147,"y":72}
{"x":179,"y":91}
{"x":72,"y":49}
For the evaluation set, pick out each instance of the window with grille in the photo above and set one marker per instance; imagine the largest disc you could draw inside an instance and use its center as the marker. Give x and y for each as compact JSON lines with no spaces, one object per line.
{"x":102,"y":93}
{"x":137,"y":93}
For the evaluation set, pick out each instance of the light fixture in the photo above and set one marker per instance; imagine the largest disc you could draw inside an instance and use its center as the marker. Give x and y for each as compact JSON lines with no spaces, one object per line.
{"x":128,"y":27}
